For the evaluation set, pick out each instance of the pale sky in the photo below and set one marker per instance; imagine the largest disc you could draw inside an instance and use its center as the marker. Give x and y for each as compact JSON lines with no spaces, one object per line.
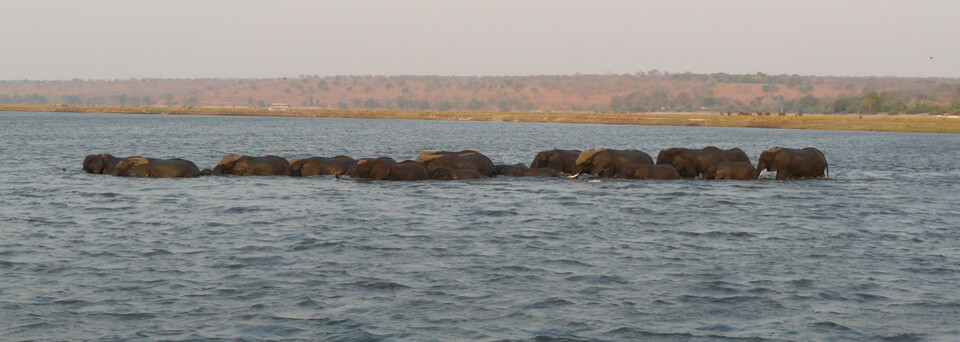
{"x":120,"y":39}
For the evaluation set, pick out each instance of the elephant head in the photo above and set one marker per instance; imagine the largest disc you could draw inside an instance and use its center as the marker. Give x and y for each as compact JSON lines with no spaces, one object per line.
{"x":772,"y":160}
{"x":100,"y":164}
{"x":592,"y":161}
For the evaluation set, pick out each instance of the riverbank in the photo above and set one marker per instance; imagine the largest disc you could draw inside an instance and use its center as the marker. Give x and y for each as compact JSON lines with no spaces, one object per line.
{"x":847,"y":122}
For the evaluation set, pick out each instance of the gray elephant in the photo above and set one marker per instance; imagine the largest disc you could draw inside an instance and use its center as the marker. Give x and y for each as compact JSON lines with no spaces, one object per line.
{"x":609,"y":163}
{"x":564,"y":161}
{"x":457,"y":160}
{"x":100,"y":163}
{"x":649,"y":171}
{"x":408,"y":170}
{"x":691,"y":162}
{"x":157,"y":168}
{"x":446,"y":173}
{"x":791,"y":163}
{"x":731,"y":170}
{"x":316,"y":166}
{"x":365,"y":166}
{"x":734,"y":154}
{"x":238,"y":165}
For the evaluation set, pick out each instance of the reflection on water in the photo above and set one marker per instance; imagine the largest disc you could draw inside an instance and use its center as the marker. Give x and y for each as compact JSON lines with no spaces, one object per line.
{"x":871,"y":253}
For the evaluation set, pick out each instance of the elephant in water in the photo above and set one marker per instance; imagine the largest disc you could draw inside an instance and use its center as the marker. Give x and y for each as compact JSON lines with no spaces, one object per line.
{"x":731,"y":170}
{"x":407,"y":170}
{"x":251,"y":166}
{"x":609,"y":163}
{"x":733,"y":155}
{"x":315,"y":166}
{"x":520,"y":170}
{"x":564,"y":161}
{"x":791,"y":163}
{"x":100,"y":163}
{"x":446,"y":173}
{"x":157,"y":168}
{"x":691,"y":162}
{"x":457,"y":160}
{"x":365,"y":165}
{"x":649,"y":171}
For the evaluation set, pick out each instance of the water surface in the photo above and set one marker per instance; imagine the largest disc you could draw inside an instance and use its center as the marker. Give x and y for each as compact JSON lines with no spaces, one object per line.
{"x":871,"y":253}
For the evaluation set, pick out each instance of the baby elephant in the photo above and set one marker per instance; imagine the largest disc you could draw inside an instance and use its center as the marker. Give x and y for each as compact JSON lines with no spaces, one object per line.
{"x":731,"y":170}
{"x":446,"y":173}
{"x":650,"y":171}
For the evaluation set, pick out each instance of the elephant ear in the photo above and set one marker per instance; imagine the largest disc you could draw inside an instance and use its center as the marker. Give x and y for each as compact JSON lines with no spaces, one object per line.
{"x":380,"y":171}
{"x":666,"y":156}
{"x":587,"y":155}
{"x":781,"y":158}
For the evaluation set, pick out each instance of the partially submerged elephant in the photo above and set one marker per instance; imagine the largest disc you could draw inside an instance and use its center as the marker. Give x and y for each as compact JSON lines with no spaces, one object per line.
{"x":446,"y":173}
{"x":731,"y":170}
{"x":157,"y":168}
{"x":408,"y":170}
{"x":457,"y":160}
{"x":564,"y":161}
{"x":365,"y":166}
{"x":691,"y":162}
{"x":649,"y":171}
{"x":100,"y":163}
{"x":520,"y":170}
{"x":609,"y":163}
{"x":791,"y":163}
{"x":251,"y":166}
{"x":734,"y":154}
{"x":316,"y":166}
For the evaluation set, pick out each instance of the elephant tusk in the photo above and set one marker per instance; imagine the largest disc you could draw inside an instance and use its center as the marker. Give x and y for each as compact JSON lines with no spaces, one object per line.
{"x":574,"y":175}
{"x":760,"y":174}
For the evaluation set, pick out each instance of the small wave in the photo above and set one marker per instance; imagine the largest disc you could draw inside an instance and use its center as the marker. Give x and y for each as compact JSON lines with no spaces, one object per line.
{"x":549,"y":303}
{"x":598,"y":279}
{"x":380,"y":285}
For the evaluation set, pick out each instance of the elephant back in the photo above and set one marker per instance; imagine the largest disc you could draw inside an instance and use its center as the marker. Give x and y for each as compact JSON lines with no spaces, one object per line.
{"x":365,"y":166}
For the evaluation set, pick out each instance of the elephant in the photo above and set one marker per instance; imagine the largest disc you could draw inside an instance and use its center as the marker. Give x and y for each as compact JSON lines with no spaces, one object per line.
{"x":457,"y":160}
{"x":509,"y":170}
{"x":608,"y":163}
{"x":100,"y":163}
{"x":314,"y":166}
{"x":733,"y":155}
{"x":691,"y":162}
{"x":446,"y":173}
{"x":137,"y":166}
{"x":251,"y":166}
{"x":539,"y":172}
{"x":731,"y":170}
{"x":564,"y":161}
{"x":649,"y":171}
{"x":520,"y":170}
{"x":791,"y":163}
{"x":408,"y":170}
{"x":365,"y":165}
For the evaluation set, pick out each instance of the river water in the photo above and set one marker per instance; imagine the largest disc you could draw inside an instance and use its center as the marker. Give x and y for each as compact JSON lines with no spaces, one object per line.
{"x":872,"y":253}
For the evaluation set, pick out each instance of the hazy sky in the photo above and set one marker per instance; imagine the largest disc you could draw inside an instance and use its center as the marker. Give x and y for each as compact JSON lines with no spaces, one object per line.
{"x":54,"y":40}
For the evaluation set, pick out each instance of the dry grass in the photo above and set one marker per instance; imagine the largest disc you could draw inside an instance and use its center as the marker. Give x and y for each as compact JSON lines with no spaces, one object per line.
{"x":883,"y":123}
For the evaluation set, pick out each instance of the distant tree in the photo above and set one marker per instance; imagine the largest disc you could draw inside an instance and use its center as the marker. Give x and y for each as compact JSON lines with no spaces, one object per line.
{"x":72,"y":100}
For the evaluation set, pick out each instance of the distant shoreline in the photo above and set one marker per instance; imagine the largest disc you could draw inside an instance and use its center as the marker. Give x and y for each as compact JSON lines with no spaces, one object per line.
{"x":917,"y":123}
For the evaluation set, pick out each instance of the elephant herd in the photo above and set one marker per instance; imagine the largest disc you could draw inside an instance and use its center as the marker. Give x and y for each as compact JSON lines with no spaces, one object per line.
{"x":673,"y":163}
